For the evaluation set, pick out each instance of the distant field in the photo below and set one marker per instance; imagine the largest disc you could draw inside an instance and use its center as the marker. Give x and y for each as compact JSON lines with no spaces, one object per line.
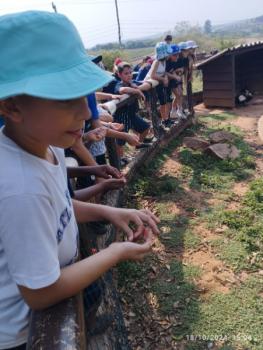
{"x":136,"y":54}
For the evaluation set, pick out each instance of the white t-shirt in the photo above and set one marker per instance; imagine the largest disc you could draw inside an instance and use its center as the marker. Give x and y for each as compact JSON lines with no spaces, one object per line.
{"x":38,"y":232}
{"x":160,"y":71}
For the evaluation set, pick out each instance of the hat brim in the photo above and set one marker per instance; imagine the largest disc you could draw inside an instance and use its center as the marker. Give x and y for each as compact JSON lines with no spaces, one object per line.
{"x":73,"y":82}
{"x":160,"y":57}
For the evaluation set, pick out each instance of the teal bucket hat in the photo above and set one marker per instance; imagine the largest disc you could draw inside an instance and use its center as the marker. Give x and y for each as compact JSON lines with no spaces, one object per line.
{"x":42,"y":55}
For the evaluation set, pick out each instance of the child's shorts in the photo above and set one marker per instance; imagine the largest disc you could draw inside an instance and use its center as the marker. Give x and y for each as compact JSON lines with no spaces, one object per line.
{"x":161,"y":94}
{"x":135,"y":123}
{"x":173,"y":83}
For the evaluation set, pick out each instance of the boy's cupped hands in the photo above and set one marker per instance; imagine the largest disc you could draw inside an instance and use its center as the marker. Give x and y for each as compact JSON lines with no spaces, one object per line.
{"x":133,"y":222}
{"x":132,"y":250}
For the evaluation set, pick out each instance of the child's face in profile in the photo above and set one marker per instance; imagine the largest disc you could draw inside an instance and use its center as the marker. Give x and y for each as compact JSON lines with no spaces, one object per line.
{"x":185,"y":53}
{"x":51,"y":122}
{"x":126,"y":75}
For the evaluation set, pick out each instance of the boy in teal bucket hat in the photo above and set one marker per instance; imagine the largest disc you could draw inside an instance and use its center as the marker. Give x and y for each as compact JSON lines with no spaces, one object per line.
{"x":44,"y":79}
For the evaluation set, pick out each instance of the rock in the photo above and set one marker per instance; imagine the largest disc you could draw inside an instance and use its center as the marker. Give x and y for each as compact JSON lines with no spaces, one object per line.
{"x":196,"y":143}
{"x":224,"y":151}
{"x":221,"y":136}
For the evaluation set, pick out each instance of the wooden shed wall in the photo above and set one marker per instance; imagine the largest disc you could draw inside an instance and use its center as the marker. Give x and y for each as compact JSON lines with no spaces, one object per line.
{"x":218,"y":83}
{"x":249,"y":71}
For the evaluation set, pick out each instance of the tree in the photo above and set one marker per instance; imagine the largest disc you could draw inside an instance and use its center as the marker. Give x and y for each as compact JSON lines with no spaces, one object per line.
{"x":208,"y":27}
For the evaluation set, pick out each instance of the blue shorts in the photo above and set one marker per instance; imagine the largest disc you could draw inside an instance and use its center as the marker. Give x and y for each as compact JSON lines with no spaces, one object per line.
{"x":134,"y":122}
{"x":173,"y":83}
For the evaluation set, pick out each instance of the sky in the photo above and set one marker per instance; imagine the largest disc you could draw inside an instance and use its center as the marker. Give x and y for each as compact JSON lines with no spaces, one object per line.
{"x":96,"y":19}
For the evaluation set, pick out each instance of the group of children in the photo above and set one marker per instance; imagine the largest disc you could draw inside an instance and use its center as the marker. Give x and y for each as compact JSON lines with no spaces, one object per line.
{"x":52,"y":98}
{"x":172,"y":67}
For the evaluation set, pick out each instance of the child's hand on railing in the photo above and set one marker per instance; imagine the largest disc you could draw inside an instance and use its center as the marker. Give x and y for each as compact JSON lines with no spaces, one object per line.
{"x":132,"y":250}
{"x":106,"y":172}
{"x":116,"y":97}
{"x":113,"y":184}
{"x":140,"y":94}
{"x":95,"y":135}
{"x":116,"y":126}
{"x":132,"y":140}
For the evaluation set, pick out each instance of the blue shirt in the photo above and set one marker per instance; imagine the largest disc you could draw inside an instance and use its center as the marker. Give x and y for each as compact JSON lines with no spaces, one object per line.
{"x":132,"y":107}
{"x":143,"y":72}
{"x":109,"y":89}
{"x":2,"y":122}
{"x":92,"y":103}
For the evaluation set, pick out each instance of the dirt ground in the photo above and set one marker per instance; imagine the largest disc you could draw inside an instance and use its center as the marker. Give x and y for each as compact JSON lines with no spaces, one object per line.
{"x":216,"y":276}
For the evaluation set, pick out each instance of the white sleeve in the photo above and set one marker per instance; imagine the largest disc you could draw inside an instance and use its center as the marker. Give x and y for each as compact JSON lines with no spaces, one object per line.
{"x":28,"y":232}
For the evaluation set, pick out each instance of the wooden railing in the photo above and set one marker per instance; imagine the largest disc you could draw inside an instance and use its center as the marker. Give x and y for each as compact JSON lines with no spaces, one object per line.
{"x":62,"y":327}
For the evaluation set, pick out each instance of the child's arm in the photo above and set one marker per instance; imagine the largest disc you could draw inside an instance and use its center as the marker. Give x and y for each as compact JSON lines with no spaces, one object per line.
{"x":132,"y":140}
{"x":82,"y":152}
{"x":131,"y":91}
{"x":174,"y":76}
{"x":104,"y":171}
{"x":79,"y":275}
{"x":87,"y":193}
{"x":105,"y":96}
{"x":145,"y":86}
{"x":119,"y":217}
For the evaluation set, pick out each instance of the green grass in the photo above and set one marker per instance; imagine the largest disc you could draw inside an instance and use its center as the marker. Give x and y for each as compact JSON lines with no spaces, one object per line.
{"x":206,"y":173}
{"x":197,"y":83}
{"x":214,"y":317}
{"x":179,"y":237}
{"x":236,"y":316}
{"x":245,"y":304}
{"x":241,"y":247}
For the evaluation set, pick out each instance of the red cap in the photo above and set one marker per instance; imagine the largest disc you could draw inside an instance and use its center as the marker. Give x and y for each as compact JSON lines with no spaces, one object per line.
{"x":149,"y":60}
{"x":117,"y":61}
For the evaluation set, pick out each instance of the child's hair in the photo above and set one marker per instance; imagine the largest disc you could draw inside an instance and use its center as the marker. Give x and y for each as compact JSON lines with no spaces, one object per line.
{"x":122,"y":66}
{"x":168,"y":37}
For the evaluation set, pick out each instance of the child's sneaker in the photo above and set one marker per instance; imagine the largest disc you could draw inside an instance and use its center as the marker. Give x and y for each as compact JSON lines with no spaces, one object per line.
{"x":143,"y":145}
{"x":125,"y":161}
{"x":181,"y":114}
{"x":166,"y":123}
{"x":148,"y":139}
{"x":164,"y":126}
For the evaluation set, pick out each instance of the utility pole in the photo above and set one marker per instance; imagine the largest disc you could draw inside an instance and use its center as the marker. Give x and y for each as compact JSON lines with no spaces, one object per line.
{"x":118,"y":21}
{"x":54,"y":7}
